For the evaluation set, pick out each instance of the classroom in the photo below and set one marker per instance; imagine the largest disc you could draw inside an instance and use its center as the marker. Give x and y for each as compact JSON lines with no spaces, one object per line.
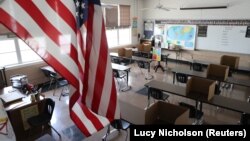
{"x":88,"y":70}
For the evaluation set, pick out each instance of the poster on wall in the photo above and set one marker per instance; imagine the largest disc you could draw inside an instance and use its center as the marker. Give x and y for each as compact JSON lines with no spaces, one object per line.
{"x":181,"y":35}
{"x":148,"y":29}
{"x":134,"y":26}
{"x":156,"y":54}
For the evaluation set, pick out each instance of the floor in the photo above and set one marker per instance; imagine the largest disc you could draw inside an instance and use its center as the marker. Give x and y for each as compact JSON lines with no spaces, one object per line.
{"x":213,"y":115}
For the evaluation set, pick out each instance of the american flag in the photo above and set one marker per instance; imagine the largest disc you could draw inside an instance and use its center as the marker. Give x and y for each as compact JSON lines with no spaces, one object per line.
{"x":70,"y":36}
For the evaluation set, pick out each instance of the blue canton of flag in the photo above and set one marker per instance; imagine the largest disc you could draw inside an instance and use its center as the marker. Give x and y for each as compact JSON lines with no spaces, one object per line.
{"x":81,"y":11}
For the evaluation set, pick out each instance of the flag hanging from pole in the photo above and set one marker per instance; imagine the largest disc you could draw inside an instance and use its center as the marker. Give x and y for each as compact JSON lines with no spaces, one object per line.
{"x":70,"y":36}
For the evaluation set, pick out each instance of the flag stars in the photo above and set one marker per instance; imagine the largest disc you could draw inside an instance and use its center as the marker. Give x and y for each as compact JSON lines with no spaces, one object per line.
{"x":81,"y":16}
{"x":77,"y":3}
{"x":83,"y":5}
{"x":77,"y":14}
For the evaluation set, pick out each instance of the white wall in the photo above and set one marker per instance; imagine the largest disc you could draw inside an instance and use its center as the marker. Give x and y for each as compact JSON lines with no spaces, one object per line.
{"x":237,"y":9}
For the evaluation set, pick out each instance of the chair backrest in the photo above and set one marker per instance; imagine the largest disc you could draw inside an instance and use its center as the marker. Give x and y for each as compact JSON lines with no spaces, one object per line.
{"x":140,"y":64}
{"x":197,"y":66}
{"x":245,"y":119}
{"x":181,"y":77}
{"x":115,"y":60}
{"x":49,"y":106}
{"x":156,"y":94}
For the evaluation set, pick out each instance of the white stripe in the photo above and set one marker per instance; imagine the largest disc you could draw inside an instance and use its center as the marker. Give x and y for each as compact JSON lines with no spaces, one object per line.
{"x":68,"y":35}
{"x":94,"y":54}
{"x":78,"y":111}
{"x":87,"y":122}
{"x":40,"y":39}
{"x":80,"y":50}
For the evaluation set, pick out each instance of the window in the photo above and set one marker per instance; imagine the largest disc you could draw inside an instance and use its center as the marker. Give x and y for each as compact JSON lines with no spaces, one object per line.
{"x":27,"y":54}
{"x":14,"y":51}
{"x":8,"y":54}
{"x":118,"y":28}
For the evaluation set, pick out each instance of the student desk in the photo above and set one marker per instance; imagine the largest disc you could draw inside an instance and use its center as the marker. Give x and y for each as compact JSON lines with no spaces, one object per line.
{"x":220,"y":101}
{"x":206,"y":63}
{"x":241,"y":82}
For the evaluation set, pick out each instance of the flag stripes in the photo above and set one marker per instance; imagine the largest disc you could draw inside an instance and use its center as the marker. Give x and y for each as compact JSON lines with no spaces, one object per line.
{"x":78,"y":54}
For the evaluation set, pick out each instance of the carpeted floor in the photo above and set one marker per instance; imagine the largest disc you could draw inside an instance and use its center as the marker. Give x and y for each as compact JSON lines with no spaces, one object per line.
{"x":73,"y":133}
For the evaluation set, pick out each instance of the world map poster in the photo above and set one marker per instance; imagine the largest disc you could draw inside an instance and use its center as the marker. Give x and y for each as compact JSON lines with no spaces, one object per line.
{"x":182,"y":35}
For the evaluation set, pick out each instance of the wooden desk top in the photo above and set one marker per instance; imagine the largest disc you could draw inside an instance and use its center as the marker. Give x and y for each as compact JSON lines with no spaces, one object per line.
{"x":241,"y":82}
{"x":136,"y":58}
{"x":220,"y":101}
{"x":10,"y":95}
{"x":115,"y":54}
{"x":189,"y":72}
{"x":119,"y":67}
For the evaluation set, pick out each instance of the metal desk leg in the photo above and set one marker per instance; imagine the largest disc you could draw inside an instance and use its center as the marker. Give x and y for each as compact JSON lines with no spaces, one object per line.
{"x":148,"y":97}
{"x":127,"y":77}
{"x":128,"y":87}
{"x":149,"y":76}
{"x":174,"y":77}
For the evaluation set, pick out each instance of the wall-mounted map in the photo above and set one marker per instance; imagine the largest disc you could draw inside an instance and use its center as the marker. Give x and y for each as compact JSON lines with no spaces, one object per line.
{"x":183,"y":35}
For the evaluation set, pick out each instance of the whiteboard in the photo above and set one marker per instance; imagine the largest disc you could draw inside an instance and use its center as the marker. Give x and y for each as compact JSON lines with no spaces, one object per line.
{"x":225,"y":39}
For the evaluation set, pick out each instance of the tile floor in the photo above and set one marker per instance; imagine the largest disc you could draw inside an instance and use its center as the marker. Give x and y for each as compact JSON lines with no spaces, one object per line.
{"x":61,"y":120}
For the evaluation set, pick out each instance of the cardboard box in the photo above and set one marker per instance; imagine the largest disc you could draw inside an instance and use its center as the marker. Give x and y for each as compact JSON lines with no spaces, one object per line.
{"x":217,"y":72}
{"x":231,"y":61}
{"x":166,"y":113}
{"x":147,"y":48}
{"x":128,"y":53}
{"x":200,"y":88}
{"x":140,"y":47}
{"x":121,"y":52}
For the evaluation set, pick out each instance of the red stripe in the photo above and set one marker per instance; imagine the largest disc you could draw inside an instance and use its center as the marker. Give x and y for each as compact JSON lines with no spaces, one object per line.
{"x":64,"y":13}
{"x":113,"y":96}
{"x":79,"y":123}
{"x":22,"y":33}
{"x":93,"y":118}
{"x":112,"y":102}
{"x":42,"y":22}
{"x":100,"y":74}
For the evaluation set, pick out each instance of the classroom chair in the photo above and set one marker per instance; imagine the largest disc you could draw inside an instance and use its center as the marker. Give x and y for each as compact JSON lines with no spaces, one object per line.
{"x":181,"y":77}
{"x":197,"y":66}
{"x":44,"y":118}
{"x":158,"y":94}
{"x":120,"y":76}
{"x":118,"y":125}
